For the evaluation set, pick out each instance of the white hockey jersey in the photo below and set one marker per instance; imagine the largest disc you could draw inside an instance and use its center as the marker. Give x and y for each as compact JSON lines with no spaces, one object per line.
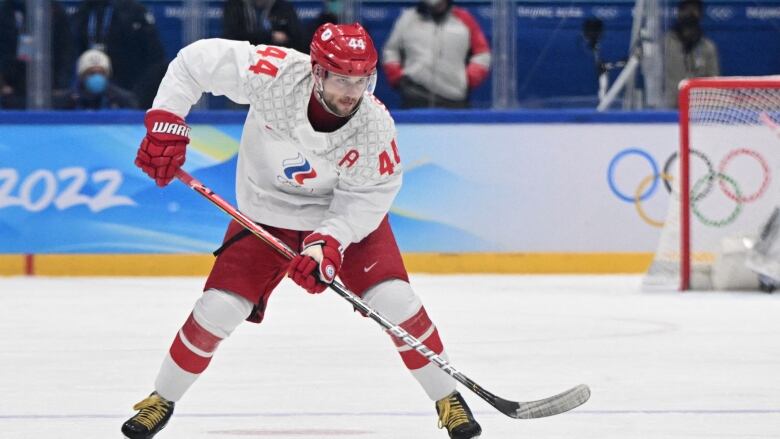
{"x":289,"y":175}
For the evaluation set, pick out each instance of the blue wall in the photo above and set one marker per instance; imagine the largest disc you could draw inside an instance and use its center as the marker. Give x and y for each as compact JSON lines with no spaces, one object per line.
{"x":555,"y":67}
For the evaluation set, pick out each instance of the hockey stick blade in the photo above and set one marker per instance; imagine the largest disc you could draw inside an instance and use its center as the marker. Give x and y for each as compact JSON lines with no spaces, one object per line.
{"x":554,"y":405}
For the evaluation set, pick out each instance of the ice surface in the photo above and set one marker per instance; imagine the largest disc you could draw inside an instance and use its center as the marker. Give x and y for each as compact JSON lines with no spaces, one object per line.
{"x":76,"y":353}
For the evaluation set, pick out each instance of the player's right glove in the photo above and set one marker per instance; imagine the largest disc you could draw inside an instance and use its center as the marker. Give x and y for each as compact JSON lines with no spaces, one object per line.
{"x":318,"y":264}
{"x":162,"y":152}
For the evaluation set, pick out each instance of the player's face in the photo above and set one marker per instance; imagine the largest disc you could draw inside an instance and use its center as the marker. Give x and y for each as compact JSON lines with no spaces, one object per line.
{"x":343,"y":93}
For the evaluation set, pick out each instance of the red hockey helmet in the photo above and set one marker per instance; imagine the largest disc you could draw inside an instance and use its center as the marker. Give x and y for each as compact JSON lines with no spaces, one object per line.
{"x":345,"y":49}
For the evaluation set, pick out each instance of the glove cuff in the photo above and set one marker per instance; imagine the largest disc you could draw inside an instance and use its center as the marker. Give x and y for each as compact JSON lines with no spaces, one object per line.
{"x":166,"y":126}
{"x":323,"y":240}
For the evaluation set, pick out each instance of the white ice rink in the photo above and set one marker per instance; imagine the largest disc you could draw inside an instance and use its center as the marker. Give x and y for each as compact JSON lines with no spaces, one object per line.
{"x":76,"y":353}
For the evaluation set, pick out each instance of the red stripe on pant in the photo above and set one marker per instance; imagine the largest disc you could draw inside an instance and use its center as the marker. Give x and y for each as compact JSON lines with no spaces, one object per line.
{"x":198,"y":337}
{"x":417,"y":326}
{"x":414,"y":360}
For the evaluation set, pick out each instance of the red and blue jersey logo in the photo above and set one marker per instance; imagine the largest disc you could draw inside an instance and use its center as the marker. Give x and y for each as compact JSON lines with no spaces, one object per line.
{"x":298,"y":169}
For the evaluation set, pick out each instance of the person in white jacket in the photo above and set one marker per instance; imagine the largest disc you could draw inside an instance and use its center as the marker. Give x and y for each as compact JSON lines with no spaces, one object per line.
{"x":318,"y":166}
{"x":436,"y":55}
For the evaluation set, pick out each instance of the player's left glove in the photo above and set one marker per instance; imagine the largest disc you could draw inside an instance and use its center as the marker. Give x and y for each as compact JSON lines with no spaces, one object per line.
{"x":317,"y":264}
{"x":162,"y":152}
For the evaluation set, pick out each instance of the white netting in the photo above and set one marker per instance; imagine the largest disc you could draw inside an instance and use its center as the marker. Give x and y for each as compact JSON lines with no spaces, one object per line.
{"x":734,"y":141}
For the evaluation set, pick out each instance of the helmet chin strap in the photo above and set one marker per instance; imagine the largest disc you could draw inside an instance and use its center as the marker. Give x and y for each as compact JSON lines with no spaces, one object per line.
{"x":319,"y":91}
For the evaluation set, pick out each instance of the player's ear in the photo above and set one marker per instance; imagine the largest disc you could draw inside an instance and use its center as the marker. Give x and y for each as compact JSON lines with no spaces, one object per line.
{"x":317,"y":70}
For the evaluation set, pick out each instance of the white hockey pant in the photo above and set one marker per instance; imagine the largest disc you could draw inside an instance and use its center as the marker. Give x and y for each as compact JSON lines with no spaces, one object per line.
{"x":217,"y":313}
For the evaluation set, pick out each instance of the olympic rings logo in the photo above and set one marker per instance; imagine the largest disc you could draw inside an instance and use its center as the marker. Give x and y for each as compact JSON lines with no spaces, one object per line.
{"x":701,"y":188}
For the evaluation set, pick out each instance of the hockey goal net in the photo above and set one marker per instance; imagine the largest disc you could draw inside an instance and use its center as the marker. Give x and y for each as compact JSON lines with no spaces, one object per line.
{"x":723,"y":181}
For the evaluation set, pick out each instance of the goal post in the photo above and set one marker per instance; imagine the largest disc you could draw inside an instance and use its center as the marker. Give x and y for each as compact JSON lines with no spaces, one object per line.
{"x":724,"y":187}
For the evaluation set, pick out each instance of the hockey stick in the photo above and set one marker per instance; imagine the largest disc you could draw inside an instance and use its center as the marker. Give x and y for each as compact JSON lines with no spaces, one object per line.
{"x":553,"y":405}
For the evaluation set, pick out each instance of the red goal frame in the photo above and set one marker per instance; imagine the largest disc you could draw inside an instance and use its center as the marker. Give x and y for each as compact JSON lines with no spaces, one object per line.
{"x":684,"y":100}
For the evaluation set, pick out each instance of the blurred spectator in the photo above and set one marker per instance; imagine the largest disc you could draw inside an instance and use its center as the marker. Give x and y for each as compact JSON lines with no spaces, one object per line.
{"x":126,"y":32}
{"x":330,"y":13}
{"x":687,"y":52}
{"x":94,"y":89}
{"x":435,"y":55}
{"x":15,"y":48}
{"x":272,"y":22}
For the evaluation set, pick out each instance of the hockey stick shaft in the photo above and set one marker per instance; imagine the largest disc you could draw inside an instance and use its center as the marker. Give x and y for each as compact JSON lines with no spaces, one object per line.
{"x":563,"y":402}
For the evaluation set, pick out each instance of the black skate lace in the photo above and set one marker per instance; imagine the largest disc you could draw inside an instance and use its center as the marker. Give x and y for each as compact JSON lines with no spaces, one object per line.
{"x":152,"y":411}
{"x":452,"y":414}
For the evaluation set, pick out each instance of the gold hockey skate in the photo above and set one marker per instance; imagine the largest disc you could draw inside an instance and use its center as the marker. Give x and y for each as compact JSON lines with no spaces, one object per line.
{"x":153,"y":413}
{"x":456,"y":417}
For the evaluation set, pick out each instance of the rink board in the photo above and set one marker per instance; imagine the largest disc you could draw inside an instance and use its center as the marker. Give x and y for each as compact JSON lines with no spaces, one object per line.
{"x":200,"y":264}
{"x":547,"y":192}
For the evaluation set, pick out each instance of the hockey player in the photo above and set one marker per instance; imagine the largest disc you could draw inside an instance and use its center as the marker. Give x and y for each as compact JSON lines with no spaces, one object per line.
{"x":318,"y":167}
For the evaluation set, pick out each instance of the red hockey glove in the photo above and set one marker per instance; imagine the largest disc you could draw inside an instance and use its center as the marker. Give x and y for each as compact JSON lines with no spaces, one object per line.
{"x":162,"y":151}
{"x":321,"y":255}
